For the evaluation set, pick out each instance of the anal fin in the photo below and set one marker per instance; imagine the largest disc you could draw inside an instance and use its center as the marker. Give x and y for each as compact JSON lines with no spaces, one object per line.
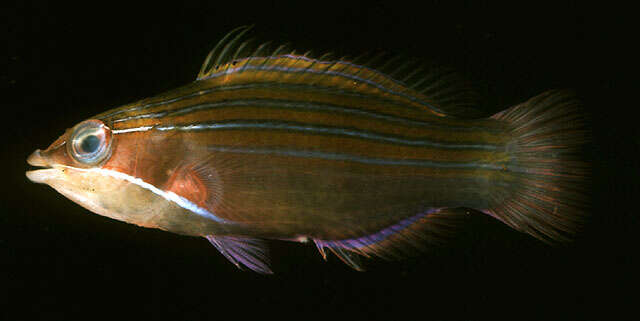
{"x":394,"y":241}
{"x":352,"y":259}
{"x":243,"y":252}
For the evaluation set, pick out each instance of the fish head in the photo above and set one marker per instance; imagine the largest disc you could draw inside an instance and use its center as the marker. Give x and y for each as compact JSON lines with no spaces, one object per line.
{"x":74,"y":165}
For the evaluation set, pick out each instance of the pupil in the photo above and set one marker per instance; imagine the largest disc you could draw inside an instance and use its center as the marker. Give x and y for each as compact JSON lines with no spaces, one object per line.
{"x":90,"y":144}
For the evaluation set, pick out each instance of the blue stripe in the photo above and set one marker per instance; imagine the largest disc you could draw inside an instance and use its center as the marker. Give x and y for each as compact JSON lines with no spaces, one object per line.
{"x":351,"y":158}
{"x":315,"y":129}
{"x":223,"y":88}
{"x":296,"y":105}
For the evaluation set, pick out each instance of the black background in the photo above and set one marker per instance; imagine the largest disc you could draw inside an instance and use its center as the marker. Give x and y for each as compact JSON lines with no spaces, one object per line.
{"x":66,"y":63}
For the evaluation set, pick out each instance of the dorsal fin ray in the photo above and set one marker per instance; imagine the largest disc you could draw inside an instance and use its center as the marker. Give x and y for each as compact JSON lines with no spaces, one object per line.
{"x":243,"y":46}
{"x":229,"y":47}
{"x":446,"y":93}
{"x":214,"y":55}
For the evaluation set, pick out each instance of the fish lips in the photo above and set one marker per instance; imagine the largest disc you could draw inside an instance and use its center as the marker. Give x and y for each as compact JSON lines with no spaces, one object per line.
{"x":39,"y":175}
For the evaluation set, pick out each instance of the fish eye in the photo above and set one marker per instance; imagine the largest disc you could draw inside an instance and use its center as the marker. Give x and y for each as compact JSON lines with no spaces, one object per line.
{"x":90,"y":142}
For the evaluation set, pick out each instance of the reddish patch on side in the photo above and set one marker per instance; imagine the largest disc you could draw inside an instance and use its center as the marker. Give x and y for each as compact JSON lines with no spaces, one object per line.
{"x":186,"y":183}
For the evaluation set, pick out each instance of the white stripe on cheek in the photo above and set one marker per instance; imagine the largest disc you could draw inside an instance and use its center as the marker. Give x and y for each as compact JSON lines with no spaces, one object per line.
{"x":170,"y":196}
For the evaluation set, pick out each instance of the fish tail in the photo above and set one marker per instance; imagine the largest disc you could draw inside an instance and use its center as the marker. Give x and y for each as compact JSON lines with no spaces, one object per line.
{"x":543,"y":186}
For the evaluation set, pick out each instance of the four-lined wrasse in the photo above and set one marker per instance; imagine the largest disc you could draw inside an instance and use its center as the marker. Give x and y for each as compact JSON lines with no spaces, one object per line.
{"x":360,"y":160}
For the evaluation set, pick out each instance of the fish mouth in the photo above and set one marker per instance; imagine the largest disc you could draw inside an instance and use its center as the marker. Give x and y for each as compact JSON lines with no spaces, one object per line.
{"x":39,"y":175}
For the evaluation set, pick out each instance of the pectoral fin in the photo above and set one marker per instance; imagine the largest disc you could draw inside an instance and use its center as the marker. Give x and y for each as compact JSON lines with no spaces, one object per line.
{"x":243,"y":252}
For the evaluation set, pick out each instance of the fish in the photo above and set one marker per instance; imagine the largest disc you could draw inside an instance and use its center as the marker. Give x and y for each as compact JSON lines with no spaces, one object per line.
{"x":364,"y":157}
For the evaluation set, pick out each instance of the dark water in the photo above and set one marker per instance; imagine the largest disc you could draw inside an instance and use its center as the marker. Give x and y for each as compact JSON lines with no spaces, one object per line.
{"x":64,"y":64}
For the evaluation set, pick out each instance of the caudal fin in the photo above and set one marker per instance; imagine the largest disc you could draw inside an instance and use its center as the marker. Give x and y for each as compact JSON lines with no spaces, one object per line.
{"x":543,"y":189}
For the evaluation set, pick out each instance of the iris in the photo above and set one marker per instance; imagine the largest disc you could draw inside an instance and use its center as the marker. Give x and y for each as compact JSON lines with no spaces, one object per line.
{"x":90,"y":142}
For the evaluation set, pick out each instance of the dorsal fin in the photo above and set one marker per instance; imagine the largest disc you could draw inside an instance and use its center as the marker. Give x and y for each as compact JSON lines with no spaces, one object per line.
{"x":219,"y":54}
{"x":447,"y":93}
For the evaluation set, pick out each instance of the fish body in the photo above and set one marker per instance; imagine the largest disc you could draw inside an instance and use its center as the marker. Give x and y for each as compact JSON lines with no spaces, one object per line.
{"x":284,"y":146}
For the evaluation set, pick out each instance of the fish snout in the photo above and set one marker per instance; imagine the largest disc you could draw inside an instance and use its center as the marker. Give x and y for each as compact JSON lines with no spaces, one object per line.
{"x":39,"y":175}
{"x":36,"y":159}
